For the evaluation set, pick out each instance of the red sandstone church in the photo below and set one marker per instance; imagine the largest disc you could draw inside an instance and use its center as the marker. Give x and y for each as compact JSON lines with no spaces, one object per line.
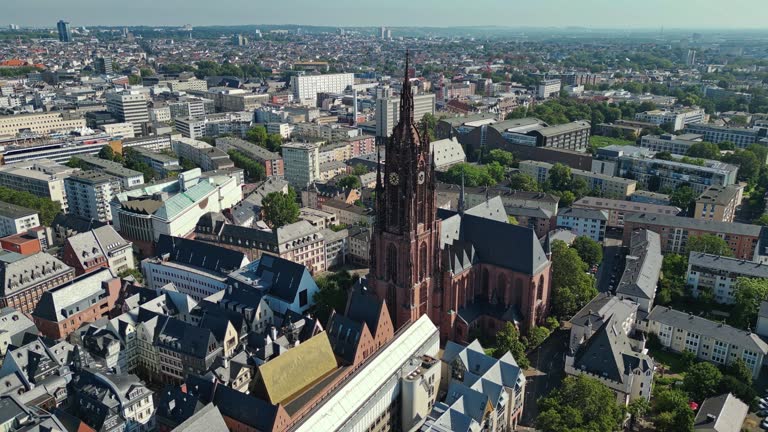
{"x":468,"y":269}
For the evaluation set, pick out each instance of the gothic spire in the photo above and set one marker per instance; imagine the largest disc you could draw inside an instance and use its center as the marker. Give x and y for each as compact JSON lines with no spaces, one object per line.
{"x":406,"y":96}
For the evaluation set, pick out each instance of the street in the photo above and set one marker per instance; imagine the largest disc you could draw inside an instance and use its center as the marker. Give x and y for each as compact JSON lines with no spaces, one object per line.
{"x":612,"y":266}
{"x":546,"y":373}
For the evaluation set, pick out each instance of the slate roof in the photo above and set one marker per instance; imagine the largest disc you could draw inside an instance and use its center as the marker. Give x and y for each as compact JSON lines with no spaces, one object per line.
{"x":176,"y":406}
{"x":208,"y":419}
{"x":244,"y":408}
{"x":281,"y":278}
{"x":728,"y":411}
{"x":75,"y":223}
{"x":186,"y":338}
{"x":493,"y":242}
{"x":602,"y":307}
{"x":12,"y":211}
{"x":731,"y":265}
{"x":694,"y":224}
{"x":18,"y":273}
{"x":643,"y":266}
{"x":609,"y":354}
{"x":73,"y":297}
{"x":15,"y":324}
{"x":199,"y":254}
{"x":702,"y":326}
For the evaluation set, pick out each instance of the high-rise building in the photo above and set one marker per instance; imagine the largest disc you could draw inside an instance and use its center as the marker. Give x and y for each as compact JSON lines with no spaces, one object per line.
{"x":129,"y":107}
{"x":89,"y":194}
{"x":383,"y":32}
{"x":388,"y":111}
{"x":64,"y":33}
{"x":306,"y":87}
{"x":103,"y":65}
{"x":691,"y":59}
{"x":302,"y":163}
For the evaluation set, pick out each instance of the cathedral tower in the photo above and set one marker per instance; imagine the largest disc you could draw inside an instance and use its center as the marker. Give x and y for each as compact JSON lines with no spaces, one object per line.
{"x":405,"y":240}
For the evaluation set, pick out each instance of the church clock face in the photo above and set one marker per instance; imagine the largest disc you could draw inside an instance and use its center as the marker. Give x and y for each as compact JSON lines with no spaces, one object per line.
{"x":421,"y":177}
{"x":394,"y":179}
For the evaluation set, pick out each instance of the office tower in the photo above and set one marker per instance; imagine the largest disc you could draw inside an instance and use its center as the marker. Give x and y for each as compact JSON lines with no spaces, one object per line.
{"x":129,"y":107}
{"x":306,"y":87}
{"x":691,"y":60}
{"x":388,"y":111}
{"x":103,"y":65}
{"x":383,"y":33}
{"x":64,"y":34}
{"x":302,"y":163}
{"x":389,"y":34}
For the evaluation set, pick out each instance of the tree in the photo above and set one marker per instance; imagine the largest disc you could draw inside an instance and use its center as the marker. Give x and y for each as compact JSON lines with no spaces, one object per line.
{"x":726,"y":145}
{"x":739,"y":370}
{"x":580,"y":404}
{"x":359,"y":169}
{"x":702,"y":381}
{"x":762,"y":220}
{"x":748,"y":162}
{"x":512,"y":220}
{"x":663,"y":155}
{"x":107,"y":153}
{"x":349,"y":182}
{"x":508,"y":340}
{"x":503,"y":157}
{"x":257,"y":135}
{"x":560,"y":177}
{"x":572,"y":287}
{"x":589,"y":250}
{"x":253,"y":170}
{"x":536,"y":336}
{"x":332,"y":294}
{"x":274,"y":142}
{"x":705,"y":150}
{"x":428,"y":123}
{"x":683,"y":197}
{"x":748,"y":295}
{"x":134,"y":80}
{"x":741,"y":389}
{"x":672,"y":412}
{"x":46,"y":208}
{"x":523,"y":182}
{"x":637,"y":409}
{"x":708,"y":243}
{"x":132,"y":272}
{"x":280,"y":209}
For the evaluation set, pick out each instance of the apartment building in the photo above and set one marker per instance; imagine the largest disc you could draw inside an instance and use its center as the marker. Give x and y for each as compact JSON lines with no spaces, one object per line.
{"x":642,"y":269}
{"x":129,"y":107}
{"x":112,"y":402}
{"x":67,"y":307}
{"x":719,"y":203}
{"x":548,"y":88}
{"x":388,"y":111}
{"x":119,"y":130}
{"x":228,"y":99}
{"x":302,"y":163}
{"x":98,"y":248}
{"x":568,"y":136}
{"x":652,"y":173}
{"x":675,"y":144}
{"x":128,"y":178}
{"x":306,"y":87}
{"x":742,"y":137}
{"x":15,"y":219}
{"x":618,"y":209}
{"x":711,"y":341}
{"x":89,"y":194}
{"x":89,"y":191}
{"x":161,"y":163}
{"x":718,"y":274}
{"x":191,"y":107}
{"x":43,"y":178}
{"x":584,"y":222}
{"x":21,"y":289}
{"x":359,"y":245}
{"x":677,"y":118}
{"x":204,"y":155}
{"x":675,"y":231}
{"x":43,"y":123}
{"x":609,"y":186}
{"x":348,"y":213}
{"x":273,"y":162}
{"x":324,"y":132}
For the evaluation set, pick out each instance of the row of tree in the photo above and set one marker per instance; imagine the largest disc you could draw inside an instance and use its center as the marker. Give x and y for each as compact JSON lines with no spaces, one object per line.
{"x":254,"y":171}
{"x":259,"y":136}
{"x":46,"y":208}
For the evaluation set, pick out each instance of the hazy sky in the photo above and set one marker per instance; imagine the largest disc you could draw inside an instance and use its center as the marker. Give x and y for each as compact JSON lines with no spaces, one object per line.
{"x":435,"y":13}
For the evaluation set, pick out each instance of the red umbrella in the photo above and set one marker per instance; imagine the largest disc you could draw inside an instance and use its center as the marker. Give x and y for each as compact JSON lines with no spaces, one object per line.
{"x":694,"y":406}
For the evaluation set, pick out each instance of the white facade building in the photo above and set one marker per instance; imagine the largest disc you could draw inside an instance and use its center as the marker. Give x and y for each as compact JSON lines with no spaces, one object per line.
{"x":306,"y":87}
{"x":388,"y":111}
{"x":129,"y":107}
{"x":302,"y":163}
{"x":89,"y":194}
{"x":16,"y":220}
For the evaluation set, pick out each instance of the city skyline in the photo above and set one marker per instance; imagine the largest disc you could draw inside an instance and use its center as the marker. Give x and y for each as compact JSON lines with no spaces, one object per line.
{"x":601,"y":14}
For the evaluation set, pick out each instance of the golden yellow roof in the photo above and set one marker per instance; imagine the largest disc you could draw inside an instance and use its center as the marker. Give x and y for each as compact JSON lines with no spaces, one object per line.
{"x":293,"y":371}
